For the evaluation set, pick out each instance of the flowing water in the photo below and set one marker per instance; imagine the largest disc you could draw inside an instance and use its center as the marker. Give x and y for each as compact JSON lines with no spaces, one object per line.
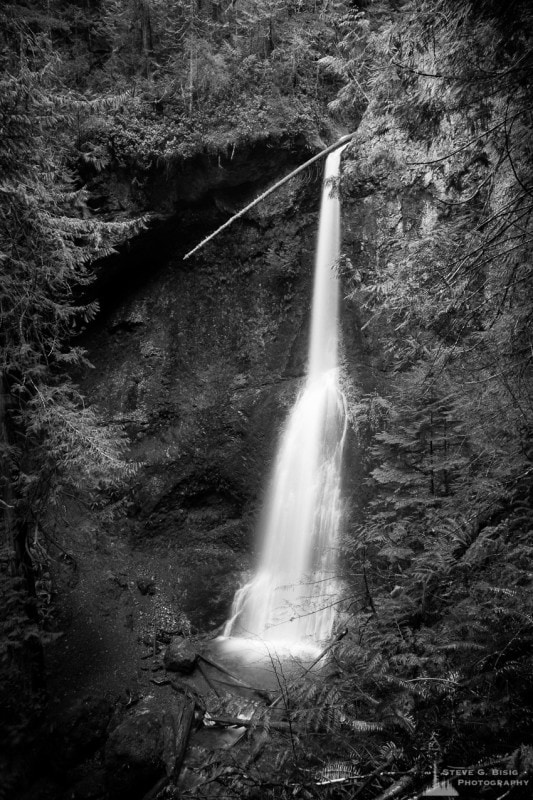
{"x":291,"y":598}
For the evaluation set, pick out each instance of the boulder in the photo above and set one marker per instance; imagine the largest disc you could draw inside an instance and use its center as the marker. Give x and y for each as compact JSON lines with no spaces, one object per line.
{"x":134,"y":754}
{"x":180,"y":656}
{"x":146,"y":745}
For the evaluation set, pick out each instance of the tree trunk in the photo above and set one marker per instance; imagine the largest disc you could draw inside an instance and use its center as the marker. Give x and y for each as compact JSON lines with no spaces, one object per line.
{"x":6,"y":494}
{"x":192,"y":53}
{"x":16,"y":530}
{"x":145,"y":38}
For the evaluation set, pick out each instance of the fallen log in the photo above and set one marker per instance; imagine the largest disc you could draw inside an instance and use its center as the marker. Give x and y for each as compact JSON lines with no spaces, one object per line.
{"x":396,"y":788}
{"x":198,"y":699}
{"x":179,"y":727}
{"x":278,"y":185}
{"x":177,"y":731}
{"x":372,"y":776}
{"x":248,"y":723}
{"x":207,"y":679}
{"x":235,"y":678}
{"x":154,"y":791}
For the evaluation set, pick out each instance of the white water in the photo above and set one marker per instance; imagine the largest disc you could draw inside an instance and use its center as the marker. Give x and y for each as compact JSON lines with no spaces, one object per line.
{"x":291,"y":598}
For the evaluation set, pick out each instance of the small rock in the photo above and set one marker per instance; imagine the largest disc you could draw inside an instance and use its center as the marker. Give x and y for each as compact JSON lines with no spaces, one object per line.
{"x":147,"y":639}
{"x":120,"y":580}
{"x":180,"y":656}
{"x":146,"y":586}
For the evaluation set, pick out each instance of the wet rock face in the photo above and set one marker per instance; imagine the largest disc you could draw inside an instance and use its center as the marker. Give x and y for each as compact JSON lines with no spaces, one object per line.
{"x":200,"y":363}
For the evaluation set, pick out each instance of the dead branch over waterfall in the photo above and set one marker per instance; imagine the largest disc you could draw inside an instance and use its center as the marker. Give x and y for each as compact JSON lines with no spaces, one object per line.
{"x":278,"y":185}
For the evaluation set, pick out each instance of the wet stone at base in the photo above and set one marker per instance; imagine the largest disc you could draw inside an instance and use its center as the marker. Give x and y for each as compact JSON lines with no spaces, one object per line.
{"x":180,"y":656}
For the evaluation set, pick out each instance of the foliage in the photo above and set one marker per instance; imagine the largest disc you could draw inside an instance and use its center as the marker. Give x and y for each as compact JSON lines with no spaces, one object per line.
{"x":48,"y":239}
{"x":441,"y":563}
{"x":84,"y":89}
{"x":204,"y":75}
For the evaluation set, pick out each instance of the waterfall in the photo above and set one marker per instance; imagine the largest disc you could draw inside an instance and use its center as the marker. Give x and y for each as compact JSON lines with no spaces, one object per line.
{"x":291,"y":597}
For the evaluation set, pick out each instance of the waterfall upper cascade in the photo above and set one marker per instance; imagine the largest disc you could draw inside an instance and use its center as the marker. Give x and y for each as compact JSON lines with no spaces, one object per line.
{"x":290,"y":599}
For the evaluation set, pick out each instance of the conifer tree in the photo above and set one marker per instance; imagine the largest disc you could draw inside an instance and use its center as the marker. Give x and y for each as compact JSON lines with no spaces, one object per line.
{"x":442,"y":554}
{"x":47,"y":242}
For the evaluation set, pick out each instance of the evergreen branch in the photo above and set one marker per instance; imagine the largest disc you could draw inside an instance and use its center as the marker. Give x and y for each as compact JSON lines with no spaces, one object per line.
{"x":378,"y":771}
{"x":464,"y":146}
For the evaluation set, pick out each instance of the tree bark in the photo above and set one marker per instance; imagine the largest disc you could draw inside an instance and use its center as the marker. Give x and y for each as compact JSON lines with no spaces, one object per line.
{"x":6,"y":493}
{"x":16,"y":531}
{"x":181,"y":725}
{"x":146,"y":39}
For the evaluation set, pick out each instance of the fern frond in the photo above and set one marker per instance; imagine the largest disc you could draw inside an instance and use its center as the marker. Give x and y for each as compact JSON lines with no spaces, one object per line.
{"x":361,"y":726}
{"x":461,"y":645}
{"x":337,"y":772}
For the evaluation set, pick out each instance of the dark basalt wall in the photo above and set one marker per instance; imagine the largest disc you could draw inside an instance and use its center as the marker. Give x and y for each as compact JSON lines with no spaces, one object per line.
{"x":173,"y":186}
{"x":200,"y":360}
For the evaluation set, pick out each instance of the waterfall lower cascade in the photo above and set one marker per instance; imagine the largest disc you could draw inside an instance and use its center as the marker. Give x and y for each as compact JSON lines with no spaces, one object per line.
{"x":291,"y":598}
